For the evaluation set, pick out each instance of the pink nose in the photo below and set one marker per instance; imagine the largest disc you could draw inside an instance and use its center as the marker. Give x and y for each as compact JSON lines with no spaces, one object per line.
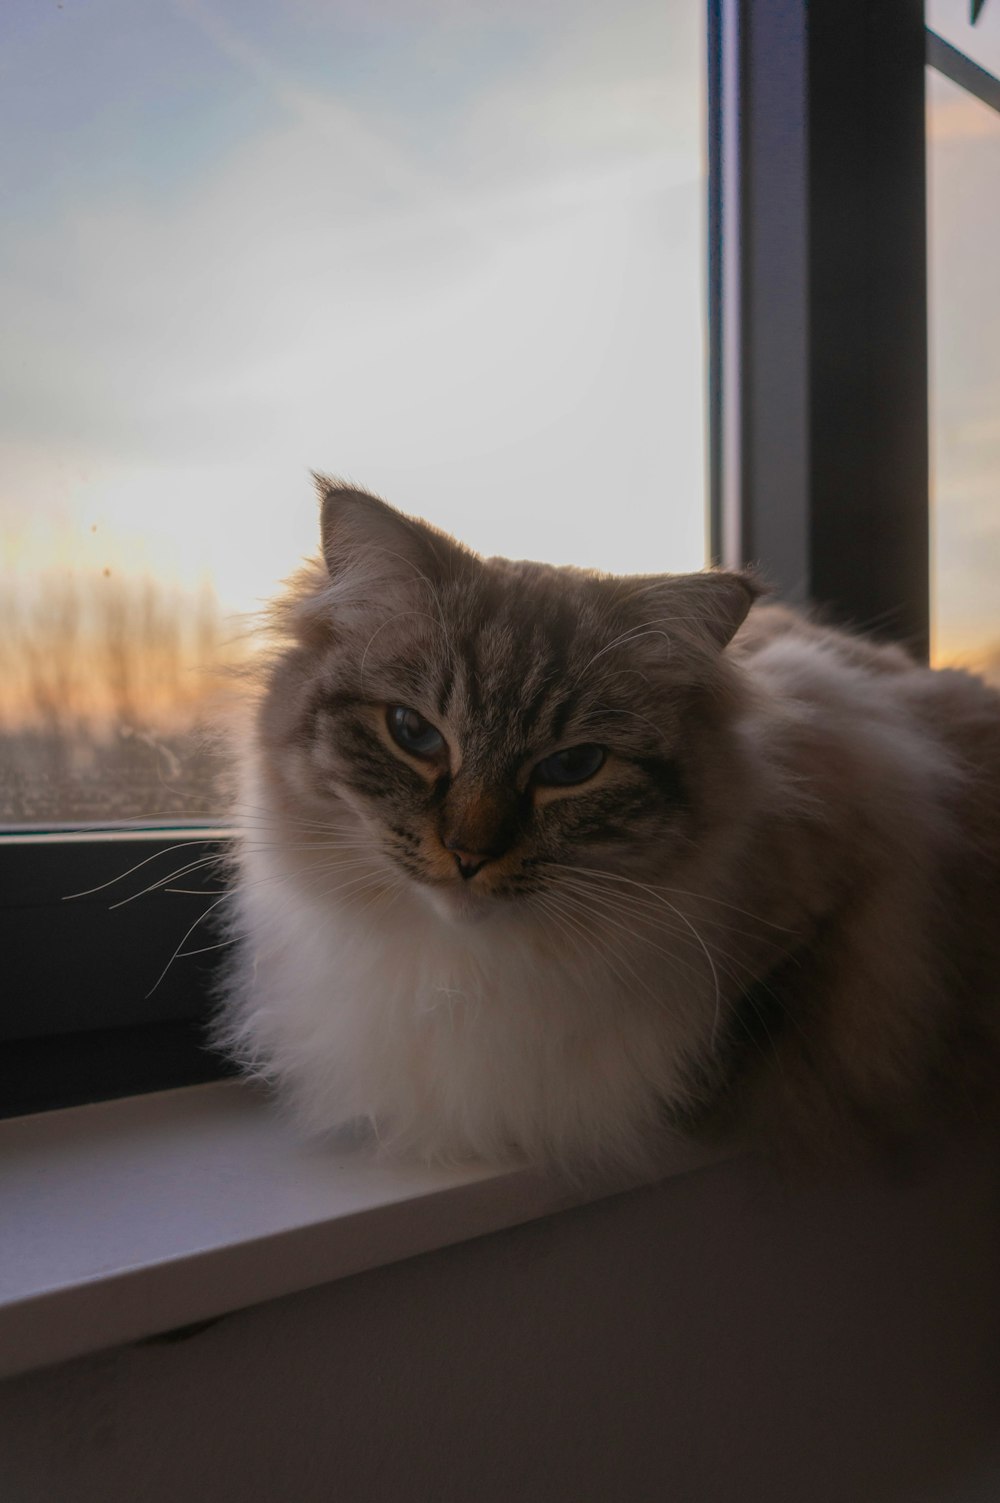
{"x":468,"y":862}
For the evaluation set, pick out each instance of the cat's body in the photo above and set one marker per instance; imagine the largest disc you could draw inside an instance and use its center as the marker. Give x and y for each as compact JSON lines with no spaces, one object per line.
{"x":543,"y":864}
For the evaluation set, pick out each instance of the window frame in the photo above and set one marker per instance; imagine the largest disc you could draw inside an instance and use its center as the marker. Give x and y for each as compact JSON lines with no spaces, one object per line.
{"x":817,"y":187}
{"x":94,"y":1006}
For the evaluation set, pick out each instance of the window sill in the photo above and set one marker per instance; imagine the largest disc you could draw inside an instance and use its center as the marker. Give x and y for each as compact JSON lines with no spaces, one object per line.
{"x":133,"y":1217}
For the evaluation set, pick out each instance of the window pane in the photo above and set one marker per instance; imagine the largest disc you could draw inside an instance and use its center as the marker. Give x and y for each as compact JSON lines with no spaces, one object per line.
{"x":452,"y":250}
{"x":981,"y":42}
{"x":964,"y":246}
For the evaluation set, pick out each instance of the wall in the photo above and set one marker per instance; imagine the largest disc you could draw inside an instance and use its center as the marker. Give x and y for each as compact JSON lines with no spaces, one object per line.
{"x":713,"y":1338}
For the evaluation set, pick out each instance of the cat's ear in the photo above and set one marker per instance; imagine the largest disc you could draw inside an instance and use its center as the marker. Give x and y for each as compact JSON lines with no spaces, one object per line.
{"x":374,"y":554}
{"x":709,"y":607}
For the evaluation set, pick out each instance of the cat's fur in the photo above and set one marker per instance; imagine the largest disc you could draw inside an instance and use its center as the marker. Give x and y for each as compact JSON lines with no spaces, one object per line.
{"x":775,"y":909}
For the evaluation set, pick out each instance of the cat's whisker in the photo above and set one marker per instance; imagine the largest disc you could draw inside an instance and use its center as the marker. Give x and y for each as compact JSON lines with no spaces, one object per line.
{"x":310,"y":883}
{"x":356,"y":884}
{"x":392,"y":891}
{"x":592,"y":913}
{"x":675,"y":961}
{"x":205,"y":949}
{"x":737,"y":973}
{"x":678,"y":913}
{"x":266,"y":815}
{"x":272,"y":878}
{"x":197,"y":892}
{"x":193,"y":866}
{"x":616,"y":919}
{"x":740,"y":978}
{"x":204,"y":864}
{"x":121,"y":877}
{"x":655,"y":892}
{"x":315,"y":875}
{"x":598,"y":901}
{"x":187,"y":935}
{"x":567,"y":926}
{"x":603,"y":951}
{"x":653,"y":913}
{"x":306,"y":845}
{"x":277,"y":880}
{"x":312,"y":886}
{"x":654,"y":898}
{"x":142,"y":824}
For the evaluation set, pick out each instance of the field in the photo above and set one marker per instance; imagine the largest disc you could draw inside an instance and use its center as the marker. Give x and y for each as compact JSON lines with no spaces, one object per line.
{"x":106,"y":691}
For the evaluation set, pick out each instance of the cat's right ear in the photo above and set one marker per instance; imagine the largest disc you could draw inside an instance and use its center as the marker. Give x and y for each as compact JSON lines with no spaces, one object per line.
{"x":707,"y":608}
{"x":374,"y":555}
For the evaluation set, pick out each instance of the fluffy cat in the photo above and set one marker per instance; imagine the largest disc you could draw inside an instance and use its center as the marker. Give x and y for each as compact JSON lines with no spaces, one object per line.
{"x":544,"y":864}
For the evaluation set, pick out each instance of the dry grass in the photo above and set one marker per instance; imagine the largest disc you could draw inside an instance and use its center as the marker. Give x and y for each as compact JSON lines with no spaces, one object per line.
{"x":105,"y":686}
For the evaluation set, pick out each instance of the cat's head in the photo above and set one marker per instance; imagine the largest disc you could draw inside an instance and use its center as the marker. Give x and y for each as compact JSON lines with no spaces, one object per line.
{"x":490,"y":723}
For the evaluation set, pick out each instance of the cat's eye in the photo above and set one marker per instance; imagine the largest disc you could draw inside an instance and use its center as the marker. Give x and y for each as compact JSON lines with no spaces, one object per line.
{"x":574,"y":765}
{"x":413,"y":733}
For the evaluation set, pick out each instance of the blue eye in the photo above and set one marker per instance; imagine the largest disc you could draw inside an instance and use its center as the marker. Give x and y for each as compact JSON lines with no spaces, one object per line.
{"x":574,"y":765}
{"x":413,"y":733}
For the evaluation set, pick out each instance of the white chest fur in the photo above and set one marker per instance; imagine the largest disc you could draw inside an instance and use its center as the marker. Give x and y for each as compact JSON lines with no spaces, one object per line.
{"x":457,"y":1039}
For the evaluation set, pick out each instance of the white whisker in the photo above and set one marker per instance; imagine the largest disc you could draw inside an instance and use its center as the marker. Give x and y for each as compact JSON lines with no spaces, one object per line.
{"x":678,"y":913}
{"x":101,"y":886}
{"x":187,"y":935}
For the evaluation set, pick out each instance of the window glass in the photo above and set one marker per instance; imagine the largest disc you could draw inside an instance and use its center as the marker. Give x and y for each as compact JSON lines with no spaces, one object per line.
{"x":980,"y":42}
{"x":449,"y":248}
{"x":964,"y":299}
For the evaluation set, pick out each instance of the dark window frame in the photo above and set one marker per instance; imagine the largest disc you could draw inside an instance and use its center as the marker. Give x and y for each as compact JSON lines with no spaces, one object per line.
{"x":818,"y":427}
{"x":819,"y":340}
{"x":95,"y":1003}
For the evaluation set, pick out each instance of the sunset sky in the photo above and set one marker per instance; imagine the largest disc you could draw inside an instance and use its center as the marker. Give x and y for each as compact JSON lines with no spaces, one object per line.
{"x":449,"y":248}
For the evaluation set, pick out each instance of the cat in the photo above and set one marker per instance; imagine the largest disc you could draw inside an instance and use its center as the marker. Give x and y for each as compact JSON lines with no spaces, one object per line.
{"x":545,"y":865}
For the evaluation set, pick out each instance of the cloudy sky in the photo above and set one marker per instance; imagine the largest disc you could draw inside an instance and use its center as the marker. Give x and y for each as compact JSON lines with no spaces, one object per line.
{"x":449,"y":248}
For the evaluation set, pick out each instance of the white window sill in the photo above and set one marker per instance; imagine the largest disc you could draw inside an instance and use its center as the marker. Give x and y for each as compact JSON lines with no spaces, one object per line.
{"x":133,"y":1217}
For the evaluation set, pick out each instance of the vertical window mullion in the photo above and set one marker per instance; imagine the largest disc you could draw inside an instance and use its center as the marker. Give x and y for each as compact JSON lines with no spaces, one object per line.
{"x":819,"y":334}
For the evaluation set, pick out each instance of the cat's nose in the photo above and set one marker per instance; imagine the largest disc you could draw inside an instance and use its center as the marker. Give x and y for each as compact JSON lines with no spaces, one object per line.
{"x":476,"y":827}
{"x":468,"y":862}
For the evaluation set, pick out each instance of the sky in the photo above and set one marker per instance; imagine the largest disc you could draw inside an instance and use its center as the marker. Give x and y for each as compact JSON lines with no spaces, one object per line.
{"x":448,"y":248}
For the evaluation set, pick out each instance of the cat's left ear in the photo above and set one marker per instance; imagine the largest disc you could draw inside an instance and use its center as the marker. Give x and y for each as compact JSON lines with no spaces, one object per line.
{"x":709,"y":607}
{"x":373,"y":553}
